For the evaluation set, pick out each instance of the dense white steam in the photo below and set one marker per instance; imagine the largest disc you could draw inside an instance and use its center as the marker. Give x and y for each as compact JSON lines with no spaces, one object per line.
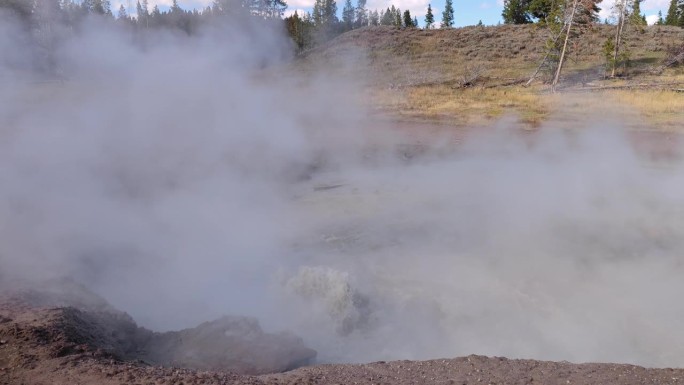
{"x":566,"y":250}
{"x":182,"y":184}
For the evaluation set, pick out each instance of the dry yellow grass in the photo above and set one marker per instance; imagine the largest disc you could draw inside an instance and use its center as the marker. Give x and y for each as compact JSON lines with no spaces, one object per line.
{"x":469,"y":105}
{"x":414,"y":74}
{"x":662,"y":109}
{"x":655,"y":110}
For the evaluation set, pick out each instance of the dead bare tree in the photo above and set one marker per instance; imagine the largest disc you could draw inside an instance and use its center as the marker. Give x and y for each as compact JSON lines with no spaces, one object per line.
{"x":470,"y":76}
{"x":674,"y":58}
{"x":621,"y":7}
{"x":544,"y":60}
{"x":569,"y":22}
{"x":677,"y":58}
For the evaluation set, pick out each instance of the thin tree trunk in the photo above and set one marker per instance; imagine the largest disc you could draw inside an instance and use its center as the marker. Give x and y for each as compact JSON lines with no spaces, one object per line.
{"x":548,"y":52}
{"x":618,"y":36}
{"x":565,"y":46}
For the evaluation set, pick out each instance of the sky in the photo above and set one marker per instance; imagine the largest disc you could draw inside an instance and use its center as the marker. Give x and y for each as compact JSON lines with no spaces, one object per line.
{"x":466,"y":12}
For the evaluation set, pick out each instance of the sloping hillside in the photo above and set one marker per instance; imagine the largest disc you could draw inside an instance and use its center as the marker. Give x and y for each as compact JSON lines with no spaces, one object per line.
{"x":430,"y":74}
{"x":416,"y":56}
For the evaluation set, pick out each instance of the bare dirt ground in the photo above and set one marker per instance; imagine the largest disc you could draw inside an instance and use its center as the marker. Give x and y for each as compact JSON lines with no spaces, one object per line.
{"x":86,"y":341}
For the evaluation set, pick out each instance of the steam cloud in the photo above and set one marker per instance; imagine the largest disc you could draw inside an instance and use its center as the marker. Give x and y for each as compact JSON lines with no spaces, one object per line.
{"x":182,"y":184}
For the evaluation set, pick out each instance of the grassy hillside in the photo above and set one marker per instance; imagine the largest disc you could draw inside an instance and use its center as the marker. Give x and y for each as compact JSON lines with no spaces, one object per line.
{"x":476,"y":74}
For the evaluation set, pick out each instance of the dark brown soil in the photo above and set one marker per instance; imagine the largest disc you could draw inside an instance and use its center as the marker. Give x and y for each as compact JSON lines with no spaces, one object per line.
{"x":45,"y":344}
{"x":61,"y":326}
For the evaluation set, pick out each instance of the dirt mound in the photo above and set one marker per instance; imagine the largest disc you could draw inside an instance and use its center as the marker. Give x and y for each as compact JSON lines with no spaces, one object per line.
{"x":234,"y":343}
{"x":68,"y":345}
{"x":67,"y":320}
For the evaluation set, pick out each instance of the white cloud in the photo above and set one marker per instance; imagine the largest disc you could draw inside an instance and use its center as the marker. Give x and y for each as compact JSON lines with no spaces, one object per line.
{"x":186,"y":4}
{"x":485,"y":5}
{"x":655,"y":5}
{"x":606,"y":9}
{"x":291,"y":12}
{"x":130,"y":5}
{"x":648,"y":5}
{"x":168,"y":3}
{"x":417,"y":8}
{"x":300,"y":3}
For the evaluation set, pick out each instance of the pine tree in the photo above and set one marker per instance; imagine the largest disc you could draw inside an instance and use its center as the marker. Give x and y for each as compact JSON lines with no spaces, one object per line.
{"x":397,"y":18}
{"x":545,"y":11}
{"x":515,"y":12}
{"x":255,"y":7}
{"x":415,"y":21}
{"x":277,"y":8}
{"x":143,"y":13}
{"x":122,"y":15}
{"x":408,"y":20}
{"x":155,"y":16}
{"x":374,"y":18}
{"x":97,"y":7}
{"x":299,"y":29}
{"x":660,"y":18}
{"x":429,"y":18}
{"x":588,"y":12}
{"x":448,"y":15}
{"x":88,"y":5}
{"x":71,"y":11}
{"x":636,"y":17}
{"x":348,"y":15}
{"x":361,"y":14}
{"x":387,"y":18}
{"x":329,"y":12}
{"x":672,"y":14}
{"x":392,"y":17}
{"x":325,"y":13}
{"x":174,"y":7}
{"x":317,"y":13}
{"x":681,"y":14}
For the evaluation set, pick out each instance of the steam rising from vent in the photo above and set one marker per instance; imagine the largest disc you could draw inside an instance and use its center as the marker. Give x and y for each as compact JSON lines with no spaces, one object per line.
{"x":331,"y":291}
{"x":182,"y":184}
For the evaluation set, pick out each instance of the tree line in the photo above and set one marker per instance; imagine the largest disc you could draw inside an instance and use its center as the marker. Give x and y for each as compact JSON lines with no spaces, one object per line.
{"x":675,"y":14}
{"x":530,"y":11}
{"x":40,"y":25}
{"x":546,"y":11}
{"x":34,"y":13}
{"x":306,"y":30}
{"x":46,"y":20}
{"x":310,"y":29}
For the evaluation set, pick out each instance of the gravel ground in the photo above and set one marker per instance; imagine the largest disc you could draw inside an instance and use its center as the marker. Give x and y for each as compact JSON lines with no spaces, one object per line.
{"x":41,"y":344}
